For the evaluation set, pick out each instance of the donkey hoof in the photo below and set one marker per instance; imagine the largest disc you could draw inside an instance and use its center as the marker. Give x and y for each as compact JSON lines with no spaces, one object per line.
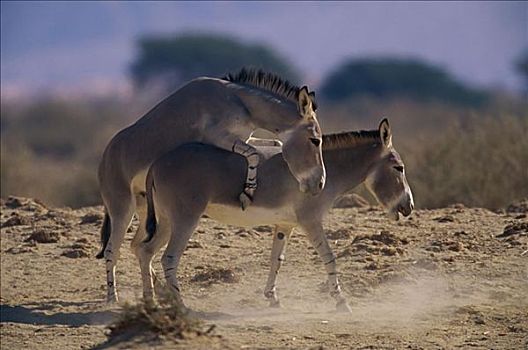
{"x":112,"y":299}
{"x":150,"y":303}
{"x":342,"y":307}
{"x":245,"y":200}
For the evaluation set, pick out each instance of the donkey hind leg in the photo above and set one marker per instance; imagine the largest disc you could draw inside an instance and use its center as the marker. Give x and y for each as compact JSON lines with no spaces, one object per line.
{"x":280,"y":239}
{"x":319,"y":242}
{"x":139,"y":237}
{"x":120,"y":212}
{"x":182,"y":227}
{"x":145,"y":251}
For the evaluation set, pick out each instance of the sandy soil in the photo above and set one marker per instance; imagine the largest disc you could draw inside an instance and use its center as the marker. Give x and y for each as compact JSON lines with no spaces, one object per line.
{"x":442,"y":279}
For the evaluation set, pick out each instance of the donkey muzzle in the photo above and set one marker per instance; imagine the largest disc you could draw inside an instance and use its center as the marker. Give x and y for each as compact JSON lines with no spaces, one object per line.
{"x":313,"y":185}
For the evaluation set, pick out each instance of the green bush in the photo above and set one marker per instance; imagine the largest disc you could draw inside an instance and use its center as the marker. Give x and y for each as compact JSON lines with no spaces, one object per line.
{"x":397,"y":78}
{"x":177,"y":59}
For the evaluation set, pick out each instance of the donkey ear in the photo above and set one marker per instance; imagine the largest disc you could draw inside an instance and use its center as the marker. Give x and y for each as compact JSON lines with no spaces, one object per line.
{"x":312,"y":98}
{"x":385,"y":133}
{"x":304,"y":102}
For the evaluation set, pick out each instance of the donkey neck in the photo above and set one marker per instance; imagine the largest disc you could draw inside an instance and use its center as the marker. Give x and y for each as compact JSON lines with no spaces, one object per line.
{"x":268,"y":110}
{"x":347,"y":167}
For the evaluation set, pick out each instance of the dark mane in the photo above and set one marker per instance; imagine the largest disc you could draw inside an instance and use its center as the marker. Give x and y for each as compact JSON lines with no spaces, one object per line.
{"x":351,"y":139}
{"x":265,"y":80}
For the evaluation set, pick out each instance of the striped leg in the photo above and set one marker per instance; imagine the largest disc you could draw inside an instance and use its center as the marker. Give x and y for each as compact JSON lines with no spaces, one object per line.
{"x":145,"y":251}
{"x":182,"y":227}
{"x":137,"y":241}
{"x":280,"y":239}
{"x":319,"y":242}
{"x":120,"y":220}
{"x":253,"y":159}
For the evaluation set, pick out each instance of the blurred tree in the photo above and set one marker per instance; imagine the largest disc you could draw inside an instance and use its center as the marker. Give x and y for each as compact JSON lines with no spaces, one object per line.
{"x":174,"y":60}
{"x":522,"y":67}
{"x":392,"y":77}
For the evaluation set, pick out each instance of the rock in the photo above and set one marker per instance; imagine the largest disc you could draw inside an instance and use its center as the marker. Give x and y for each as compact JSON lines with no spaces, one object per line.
{"x":513,"y":229}
{"x":478,"y":320}
{"x":16,"y":220}
{"x":457,"y":206}
{"x":263,"y":229}
{"x":24,"y":203}
{"x":338,"y":234}
{"x":518,"y":207}
{"x":446,"y":218}
{"x":13,"y":202}
{"x":216,"y":275}
{"x":18,"y":250}
{"x":83,"y":241}
{"x":194,"y":244}
{"x":351,"y":201}
{"x":75,"y":253}
{"x":389,"y":251}
{"x":372,"y":266}
{"x":92,"y":218}
{"x":43,"y":236}
{"x":455,"y":246}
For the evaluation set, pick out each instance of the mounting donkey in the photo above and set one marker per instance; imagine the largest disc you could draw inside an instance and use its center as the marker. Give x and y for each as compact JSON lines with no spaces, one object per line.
{"x":212,"y":178}
{"x":221,"y":112}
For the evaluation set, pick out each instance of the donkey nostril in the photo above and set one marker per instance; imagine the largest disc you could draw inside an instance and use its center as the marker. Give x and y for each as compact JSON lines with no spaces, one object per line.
{"x":321,"y":184}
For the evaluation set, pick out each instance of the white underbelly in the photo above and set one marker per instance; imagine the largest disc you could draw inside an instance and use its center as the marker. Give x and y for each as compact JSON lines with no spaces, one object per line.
{"x":252,"y":216}
{"x":138,"y":182}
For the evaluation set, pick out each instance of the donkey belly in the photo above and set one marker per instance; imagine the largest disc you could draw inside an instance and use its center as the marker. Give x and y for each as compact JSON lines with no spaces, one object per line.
{"x":252,"y":216}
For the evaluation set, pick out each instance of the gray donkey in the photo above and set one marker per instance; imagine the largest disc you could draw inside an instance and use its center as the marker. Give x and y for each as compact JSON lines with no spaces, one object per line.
{"x":221,"y":112}
{"x":212,"y":178}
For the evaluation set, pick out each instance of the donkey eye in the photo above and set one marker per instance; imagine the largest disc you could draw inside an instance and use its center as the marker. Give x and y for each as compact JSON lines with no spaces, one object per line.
{"x":399,"y":168}
{"x":315,"y":141}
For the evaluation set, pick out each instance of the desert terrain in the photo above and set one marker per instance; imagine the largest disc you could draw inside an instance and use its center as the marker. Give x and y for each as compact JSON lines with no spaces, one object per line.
{"x":451,"y":278}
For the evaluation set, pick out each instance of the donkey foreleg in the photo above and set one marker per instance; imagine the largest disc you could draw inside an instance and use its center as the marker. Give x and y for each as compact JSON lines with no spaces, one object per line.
{"x":234,"y":144}
{"x":253,"y":159}
{"x":320,"y":243}
{"x":280,"y":239}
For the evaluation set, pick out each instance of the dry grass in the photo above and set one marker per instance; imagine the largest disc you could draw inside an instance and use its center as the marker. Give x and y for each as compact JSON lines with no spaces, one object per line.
{"x":50,"y":150}
{"x":452,"y":155}
{"x":166,"y":319}
{"x":483,"y":163}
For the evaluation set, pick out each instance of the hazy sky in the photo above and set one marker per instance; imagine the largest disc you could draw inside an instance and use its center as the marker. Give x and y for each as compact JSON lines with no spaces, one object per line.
{"x":75,"y":45}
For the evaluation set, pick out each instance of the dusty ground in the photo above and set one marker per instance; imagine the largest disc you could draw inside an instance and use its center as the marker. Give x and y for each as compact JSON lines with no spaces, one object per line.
{"x":442,"y":279}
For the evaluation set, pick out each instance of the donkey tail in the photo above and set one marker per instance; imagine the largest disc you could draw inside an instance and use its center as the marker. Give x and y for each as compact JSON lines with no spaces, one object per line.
{"x":151,"y":222}
{"x":105,"y":235}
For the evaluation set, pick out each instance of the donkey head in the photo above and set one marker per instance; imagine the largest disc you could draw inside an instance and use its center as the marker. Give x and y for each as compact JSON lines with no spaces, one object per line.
{"x":387,"y":181}
{"x":302,"y":146}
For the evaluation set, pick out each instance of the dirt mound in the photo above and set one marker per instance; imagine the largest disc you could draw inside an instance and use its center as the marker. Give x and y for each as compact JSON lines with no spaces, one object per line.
{"x":16,"y":220}
{"x":22,"y":203}
{"x":43,"y":236}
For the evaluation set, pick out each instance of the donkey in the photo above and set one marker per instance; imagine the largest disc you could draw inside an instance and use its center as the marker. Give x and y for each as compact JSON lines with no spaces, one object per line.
{"x":212,"y":177}
{"x":221,"y":112}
